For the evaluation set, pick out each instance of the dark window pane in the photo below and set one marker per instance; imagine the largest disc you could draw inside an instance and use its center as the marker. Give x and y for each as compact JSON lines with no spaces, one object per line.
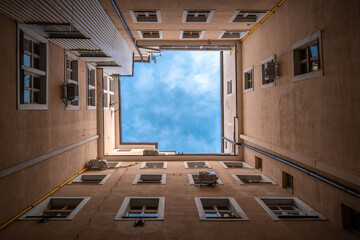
{"x":36,"y":63}
{"x":36,"y":49}
{"x":36,"y":83}
{"x":27,"y":45}
{"x":303,"y":68}
{"x":303,"y":54}
{"x":36,"y":97}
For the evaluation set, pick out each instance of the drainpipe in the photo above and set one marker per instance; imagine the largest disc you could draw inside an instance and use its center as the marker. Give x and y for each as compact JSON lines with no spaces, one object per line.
{"x":126,"y":27}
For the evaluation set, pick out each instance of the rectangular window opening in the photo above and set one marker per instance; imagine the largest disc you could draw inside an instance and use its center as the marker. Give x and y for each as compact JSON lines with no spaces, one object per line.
{"x":197,"y":165}
{"x":149,"y":208}
{"x":258,"y":163}
{"x":194,"y":16}
{"x":235,"y":165}
{"x":150,"y":178}
{"x":154,"y":165}
{"x":252,"y":179}
{"x":350,"y":218}
{"x":288,"y":182}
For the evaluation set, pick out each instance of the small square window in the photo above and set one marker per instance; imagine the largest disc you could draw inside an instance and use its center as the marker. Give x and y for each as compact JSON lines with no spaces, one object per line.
{"x":146,"y":16}
{"x":150,"y":34}
{"x":252,"y":179}
{"x":209,"y":179}
{"x":91,"y":178}
{"x":236,"y":34}
{"x":249,"y":79}
{"x":154,"y":165}
{"x":288,"y":181}
{"x":195,"y":16}
{"x":307,"y":62}
{"x":197,"y":165}
{"x":56,"y":208}
{"x":284,"y":208}
{"x":235,"y":165}
{"x":150,"y":178}
{"x":219,"y":209}
{"x":258,"y":163}
{"x":350,"y":218}
{"x":149,"y":208}
{"x":245,"y":16}
{"x":229,"y":87}
{"x":191,"y":34}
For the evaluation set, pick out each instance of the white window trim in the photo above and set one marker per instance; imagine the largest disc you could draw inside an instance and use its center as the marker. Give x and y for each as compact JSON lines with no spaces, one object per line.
{"x":208,"y":19}
{"x":267,"y":85}
{"x":192,"y":182}
{"x":138,"y":176}
{"x":37,"y":37}
{"x":258,"y":19}
{"x":125,"y":205}
{"x":78,"y":179}
{"x":247,"y":70}
{"x":158,"y":16}
{"x":206,"y":164}
{"x":72,"y":57}
{"x":300,"y":204}
{"x":141,"y":35}
{"x":106,"y":91}
{"x":92,"y":67}
{"x":244,"y":165}
{"x":38,"y":209}
{"x":242,"y":33}
{"x":202,"y":32}
{"x":263,"y":178}
{"x":143,"y":165}
{"x":302,"y":42}
{"x":232,"y":87}
{"x":233,"y":203}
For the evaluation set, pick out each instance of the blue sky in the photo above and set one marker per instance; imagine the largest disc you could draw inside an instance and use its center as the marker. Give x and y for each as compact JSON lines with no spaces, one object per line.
{"x":175,"y":102}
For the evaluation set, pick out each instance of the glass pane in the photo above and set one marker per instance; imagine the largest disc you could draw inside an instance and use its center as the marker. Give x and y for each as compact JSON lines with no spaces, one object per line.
{"x":27,"y":45}
{"x":27,"y":81}
{"x":27,"y":96}
{"x":303,"y":54}
{"x":27,"y":60}
{"x":134,"y":215}
{"x":36,"y":97}
{"x":37,"y":48}
{"x":150,"y":215}
{"x":314,"y":50}
{"x":36,"y":83}
{"x":36,"y":63}
{"x":211,"y":215}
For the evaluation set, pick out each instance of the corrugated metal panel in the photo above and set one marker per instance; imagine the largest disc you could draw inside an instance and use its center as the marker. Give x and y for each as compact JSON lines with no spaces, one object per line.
{"x":30,"y":11}
{"x":72,"y":44}
{"x":97,"y":59}
{"x":89,"y":17}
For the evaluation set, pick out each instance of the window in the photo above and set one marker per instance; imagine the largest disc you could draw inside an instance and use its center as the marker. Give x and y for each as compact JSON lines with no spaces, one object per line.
{"x":235,"y":165}
{"x":59,"y":30}
{"x":197,"y":165}
{"x":154,"y":165}
{"x":150,"y":34}
{"x":153,"y":16}
{"x":219,"y":208}
{"x":249,"y":79}
{"x":248,"y":16}
{"x":194,"y":180}
{"x":72,"y":77}
{"x":229,"y":86}
{"x":91,"y":178}
{"x":307,"y":62}
{"x":193,"y":16}
{"x":108,"y":91}
{"x":113,"y":164}
{"x":288,"y":181}
{"x":150,"y":178}
{"x":232,"y":34}
{"x":56,"y":208}
{"x":252,"y":179}
{"x":350,"y":218}
{"x":91,"y":90}
{"x":149,"y":208}
{"x":258,"y":163}
{"x":267,"y":76}
{"x":191,"y":34}
{"x":33,"y":72}
{"x":284,"y":208}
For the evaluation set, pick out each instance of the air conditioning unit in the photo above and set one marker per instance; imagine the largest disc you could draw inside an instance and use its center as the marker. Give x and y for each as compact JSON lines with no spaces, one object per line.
{"x":69,"y":91}
{"x":269,"y":71}
{"x":97,"y":164}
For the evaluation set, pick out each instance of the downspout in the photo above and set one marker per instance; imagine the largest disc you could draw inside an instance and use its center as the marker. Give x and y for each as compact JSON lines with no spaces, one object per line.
{"x":304,"y":170}
{"x":126,"y":28}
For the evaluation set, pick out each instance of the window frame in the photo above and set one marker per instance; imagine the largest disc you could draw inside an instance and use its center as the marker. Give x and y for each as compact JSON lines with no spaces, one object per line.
{"x":208,"y":18}
{"x":202,"y":32}
{"x":137,"y":179}
{"x":247,"y":71}
{"x":306,"y":42}
{"x":33,"y":71}
{"x":192,"y":181}
{"x":144,"y":165}
{"x":285,"y":181}
{"x":135,"y":20}
{"x":79,"y":179}
{"x":244,"y":164}
{"x":89,"y":86}
{"x":107,"y":91}
{"x":141,"y":35}
{"x":232,"y":203}
{"x":206,"y":164}
{"x":242,"y":33}
{"x":264,"y":180}
{"x":260,"y":15}
{"x":271,"y":84}
{"x":125,"y":207}
{"x":72,"y":58}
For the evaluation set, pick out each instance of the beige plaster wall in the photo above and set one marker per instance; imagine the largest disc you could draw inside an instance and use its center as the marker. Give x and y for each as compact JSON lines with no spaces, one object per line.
{"x":318,"y":117}
{"x":26,"y":134}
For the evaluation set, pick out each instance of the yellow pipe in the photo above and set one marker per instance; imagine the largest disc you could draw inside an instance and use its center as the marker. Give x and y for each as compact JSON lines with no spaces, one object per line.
{"x":37,"y":202}
{"x":267,"y":15}
{"x":232,"y":49}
